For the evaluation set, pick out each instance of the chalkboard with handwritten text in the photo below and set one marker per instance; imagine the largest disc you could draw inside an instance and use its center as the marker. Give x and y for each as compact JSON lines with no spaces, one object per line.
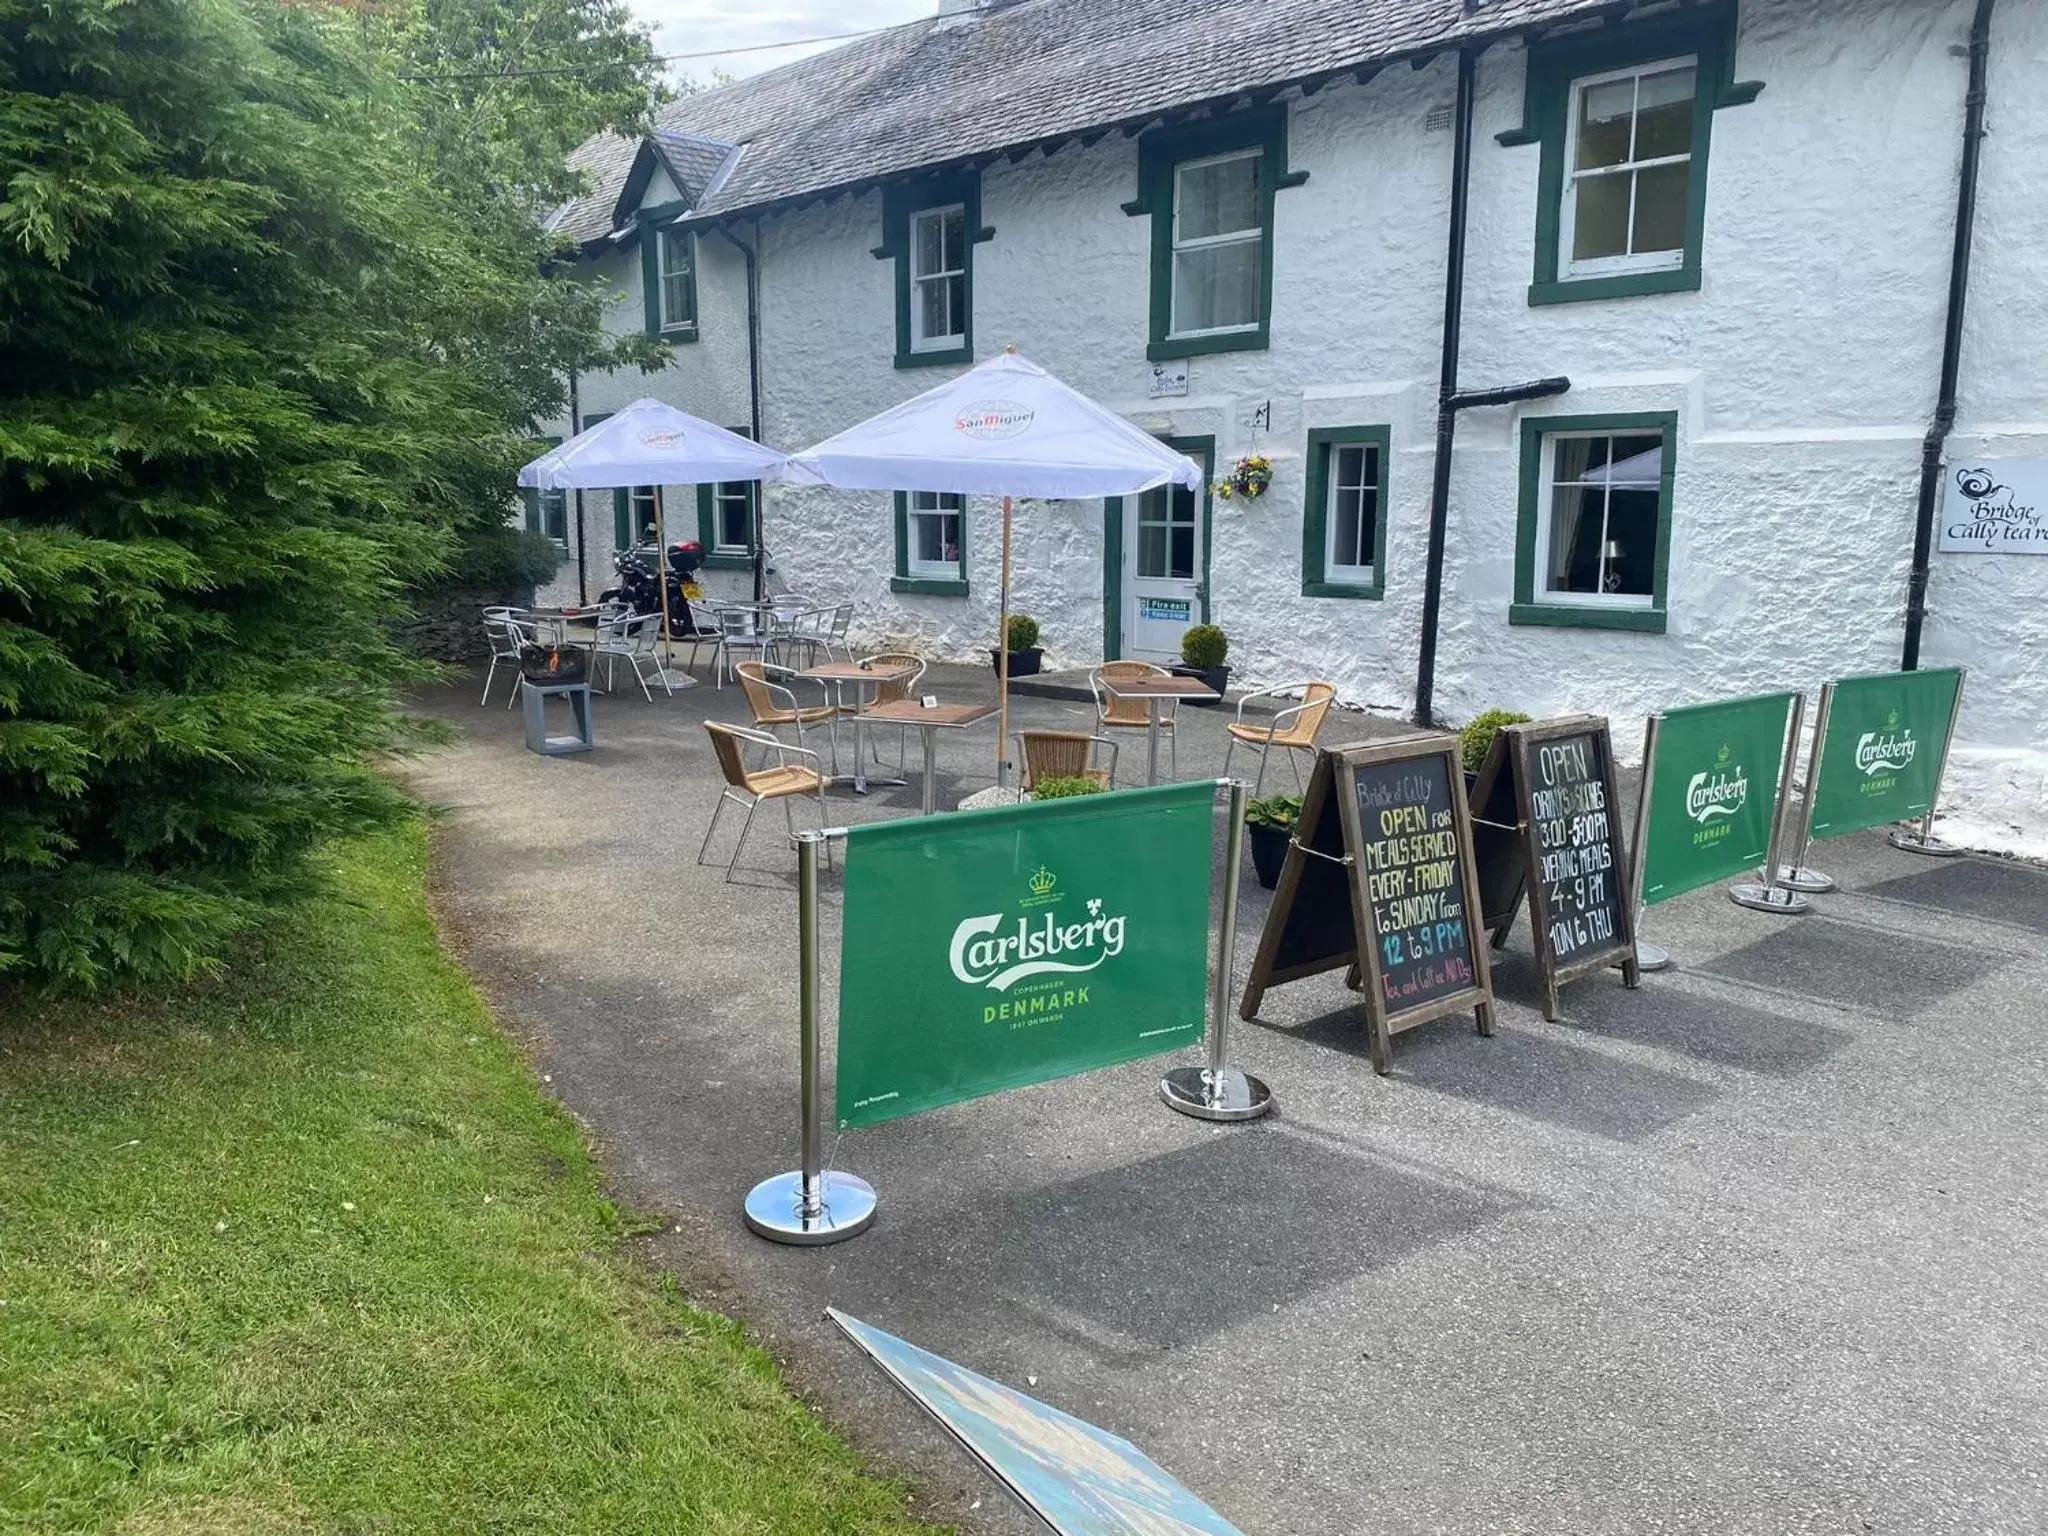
{"x":1575,"y":866}
{"x":1385,"y":833}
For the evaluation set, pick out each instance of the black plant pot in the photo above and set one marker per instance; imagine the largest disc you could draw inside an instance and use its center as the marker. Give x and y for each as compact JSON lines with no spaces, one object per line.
{"x":1214,"y":678}
{"x":1269,"y":850}
{"x":1022,"y":663}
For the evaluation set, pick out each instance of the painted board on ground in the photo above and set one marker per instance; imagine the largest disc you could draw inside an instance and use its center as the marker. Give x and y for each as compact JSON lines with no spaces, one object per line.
{"x":1881,"y":756}
{"x":1715,"y":773}
{"x":1078,"y":1479}
{"x":1384,"y":837}
{"x":990,"y":949}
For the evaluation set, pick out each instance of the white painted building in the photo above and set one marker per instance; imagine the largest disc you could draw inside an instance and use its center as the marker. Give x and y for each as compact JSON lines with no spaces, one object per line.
{"x":1745,"y":279}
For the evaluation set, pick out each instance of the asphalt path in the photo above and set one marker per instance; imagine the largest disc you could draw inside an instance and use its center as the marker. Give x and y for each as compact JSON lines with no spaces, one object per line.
{"x":1757,"y":1248}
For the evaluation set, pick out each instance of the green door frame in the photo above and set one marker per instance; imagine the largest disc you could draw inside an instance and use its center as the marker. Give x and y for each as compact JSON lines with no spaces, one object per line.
{"x":1203,"y":451}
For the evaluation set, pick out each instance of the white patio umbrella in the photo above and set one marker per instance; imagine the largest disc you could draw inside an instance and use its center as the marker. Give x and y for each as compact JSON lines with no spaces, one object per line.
{"x":651,"y":443}
{"x":1004,"y":428}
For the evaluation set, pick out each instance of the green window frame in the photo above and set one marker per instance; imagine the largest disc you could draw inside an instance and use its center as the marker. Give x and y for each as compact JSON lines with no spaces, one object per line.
{"x":903,"y":205}
{"x":1162,"y":154}
{"x":722,"y":554}
{"x":547,"y":511}
{"x":659,"y":282}
{"x":627,"y":501}
{"x":907,"y":578}
{"x":1323,"y":446}
{"x":1541,"y":608}
{"x":1556,"y":71}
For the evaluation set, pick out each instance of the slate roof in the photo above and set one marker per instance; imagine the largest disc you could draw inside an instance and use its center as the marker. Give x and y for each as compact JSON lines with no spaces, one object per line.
{"x":951,"y":88}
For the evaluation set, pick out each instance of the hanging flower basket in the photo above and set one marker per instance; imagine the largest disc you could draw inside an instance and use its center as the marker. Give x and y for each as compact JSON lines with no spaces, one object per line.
{"x":1248,"y":478}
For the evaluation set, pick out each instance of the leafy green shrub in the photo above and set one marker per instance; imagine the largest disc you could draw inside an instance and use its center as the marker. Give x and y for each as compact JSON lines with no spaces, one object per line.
{"x":1023,"y":632}
{"x":1476,"y":737}
{"x":503,"y":559}
{"x":1281,"y":811}
{"x":1066,"y":788}
{"x":1204,"y":646}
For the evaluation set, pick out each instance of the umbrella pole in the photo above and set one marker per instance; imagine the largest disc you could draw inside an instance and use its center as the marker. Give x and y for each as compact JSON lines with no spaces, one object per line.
{"x":668,"y":654}
{"x":1003,"y":659}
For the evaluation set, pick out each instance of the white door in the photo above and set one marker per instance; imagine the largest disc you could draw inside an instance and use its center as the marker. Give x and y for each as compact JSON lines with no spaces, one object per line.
{"x":1163,"y":538}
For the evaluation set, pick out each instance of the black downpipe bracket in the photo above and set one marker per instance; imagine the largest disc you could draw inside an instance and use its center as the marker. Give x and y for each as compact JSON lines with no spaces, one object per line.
{"x":1450,"y":399}
{"x":752,"y":253}
{"x":1933,"y":445}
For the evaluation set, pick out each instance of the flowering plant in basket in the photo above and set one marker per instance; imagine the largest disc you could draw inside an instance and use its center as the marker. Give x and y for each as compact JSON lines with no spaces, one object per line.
{"x":1248,"y":478}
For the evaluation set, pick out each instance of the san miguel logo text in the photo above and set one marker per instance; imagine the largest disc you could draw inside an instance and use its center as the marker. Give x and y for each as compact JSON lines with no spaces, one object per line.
{"x":1880,"y":754}
{"x":1716,"y":797}
{"x":993,"y":420}
{"x":997,"y":950}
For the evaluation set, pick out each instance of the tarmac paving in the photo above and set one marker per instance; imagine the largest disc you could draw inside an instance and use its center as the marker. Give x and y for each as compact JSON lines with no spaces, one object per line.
{"x":1757,"y":1248}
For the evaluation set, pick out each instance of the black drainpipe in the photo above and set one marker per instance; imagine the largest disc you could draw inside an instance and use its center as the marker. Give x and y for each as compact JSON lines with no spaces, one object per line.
{"x":1449,"y":399}
{"x":752,"y":253}
{"x":1932,"y":445}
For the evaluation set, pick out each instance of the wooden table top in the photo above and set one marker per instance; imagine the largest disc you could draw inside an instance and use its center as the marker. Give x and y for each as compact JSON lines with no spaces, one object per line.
{"x":910,"y":712}
{"x":1161,"y":688}
{"x":854,"y":672}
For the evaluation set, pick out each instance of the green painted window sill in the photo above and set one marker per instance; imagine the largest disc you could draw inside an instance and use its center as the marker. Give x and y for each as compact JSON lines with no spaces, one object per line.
{"x":1623,"y":285}
{"x":928,"y":586}
{"x":1559,"y":616}
{"x":678,"y":334}
{"x":1201,"y":346}
{"x":1374,"y":590}
{"x":729,"y":560}
{"x":935,"y":359}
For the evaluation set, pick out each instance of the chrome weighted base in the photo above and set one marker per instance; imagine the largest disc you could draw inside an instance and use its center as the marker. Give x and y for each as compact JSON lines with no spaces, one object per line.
{"x":845,"y":1208}
{"x":1932,"y":847}
{"x":1224,"y":1095}
{"x":1764,"y":898}
{"x":1797,"y":877}
{"x":1651,"y":957}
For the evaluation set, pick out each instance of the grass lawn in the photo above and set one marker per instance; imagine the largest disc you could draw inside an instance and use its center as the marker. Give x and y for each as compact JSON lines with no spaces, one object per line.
{"x":306,"y":1249}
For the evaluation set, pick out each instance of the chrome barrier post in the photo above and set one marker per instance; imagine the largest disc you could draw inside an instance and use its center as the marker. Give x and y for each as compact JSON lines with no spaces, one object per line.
{"x":1770,"y":896}
{"x":1796,"y":876}
{"x":1922,"y":839}
{"x":813,"y":1205}
{"x":1649,"y":957}
{"x":1218,"y":1091}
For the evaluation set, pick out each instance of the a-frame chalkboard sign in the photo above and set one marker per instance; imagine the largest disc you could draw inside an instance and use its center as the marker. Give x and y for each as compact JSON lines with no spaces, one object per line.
{"x":1563,"y":847}
{"x":1380,"y":878}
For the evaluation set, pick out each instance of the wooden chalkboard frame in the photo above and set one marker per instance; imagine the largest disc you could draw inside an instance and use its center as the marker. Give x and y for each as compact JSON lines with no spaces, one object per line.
{"x":1335,"y":770}
{"x":1521,"y":744}
{"x":1504,"y":840}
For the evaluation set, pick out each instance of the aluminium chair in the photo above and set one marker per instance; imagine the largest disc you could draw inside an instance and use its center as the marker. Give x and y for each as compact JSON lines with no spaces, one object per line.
{"x":742,"y":631}
{"x":793,"y":772}
{"x":636,"y":637}
{"x":774,"y":703}
{"x":506,"y":635}
{"x":1065,"y":755}
{"x":1122,"y":714}
{"x":1293,"y":728}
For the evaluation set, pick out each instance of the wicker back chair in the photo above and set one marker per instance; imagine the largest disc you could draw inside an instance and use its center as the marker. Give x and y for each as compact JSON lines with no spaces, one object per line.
{"x":1293,"y":728}
{"x":1065,"y":755}
{"x":773,"y":703}
{"x":1111,"y":710}
{"x":795,"y":771}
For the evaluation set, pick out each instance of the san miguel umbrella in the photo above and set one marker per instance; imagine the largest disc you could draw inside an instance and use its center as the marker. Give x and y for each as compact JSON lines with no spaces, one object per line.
{"x":651,"y":443}
{"x":1004,"y":428}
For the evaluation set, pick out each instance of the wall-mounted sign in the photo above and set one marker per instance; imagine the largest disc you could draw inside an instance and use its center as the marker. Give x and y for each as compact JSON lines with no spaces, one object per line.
{"x":1994,"y":507}
{"x":1168,"y":610}
{"x":1169,"y":378}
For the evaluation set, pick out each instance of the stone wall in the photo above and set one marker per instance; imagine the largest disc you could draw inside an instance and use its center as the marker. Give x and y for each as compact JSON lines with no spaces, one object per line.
{"x":447,"y":624}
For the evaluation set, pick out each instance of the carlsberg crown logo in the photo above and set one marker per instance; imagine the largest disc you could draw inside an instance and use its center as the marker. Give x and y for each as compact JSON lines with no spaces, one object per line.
{"x":982,"y":956}
{"x":1885,"y":751}
{"x":1719,"y":793}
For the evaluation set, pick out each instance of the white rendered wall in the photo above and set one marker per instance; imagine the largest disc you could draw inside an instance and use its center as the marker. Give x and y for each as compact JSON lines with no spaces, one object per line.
{"x":1803,"y":374}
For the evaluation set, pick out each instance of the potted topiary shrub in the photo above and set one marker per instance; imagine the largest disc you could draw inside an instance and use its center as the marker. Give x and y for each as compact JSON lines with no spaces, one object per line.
{"x":1024,"y":652}
{"x":1270,"y":825}
{"x":1477,"y":737}
{"x":1202,"y":650}
{"x":1053,"y":788}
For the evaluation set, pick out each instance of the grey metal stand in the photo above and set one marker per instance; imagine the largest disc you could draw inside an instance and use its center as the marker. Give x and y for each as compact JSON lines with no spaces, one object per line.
{"x":535,"y":697}
{"x":1772,"y":895}
{"x":1218,"y":1091}
{"x":812,"y":1205}
{"x":1922,"y":840}
{"x":1649,"y":957}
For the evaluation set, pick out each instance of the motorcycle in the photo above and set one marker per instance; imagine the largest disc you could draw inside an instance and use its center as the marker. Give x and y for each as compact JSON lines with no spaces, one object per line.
{"x":639,"y":584}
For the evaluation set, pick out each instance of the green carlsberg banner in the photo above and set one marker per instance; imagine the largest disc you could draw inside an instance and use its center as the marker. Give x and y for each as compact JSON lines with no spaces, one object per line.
{"x":986,"y":950}
{"x":1881,"y":761}
{"x":1715,"y":789}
